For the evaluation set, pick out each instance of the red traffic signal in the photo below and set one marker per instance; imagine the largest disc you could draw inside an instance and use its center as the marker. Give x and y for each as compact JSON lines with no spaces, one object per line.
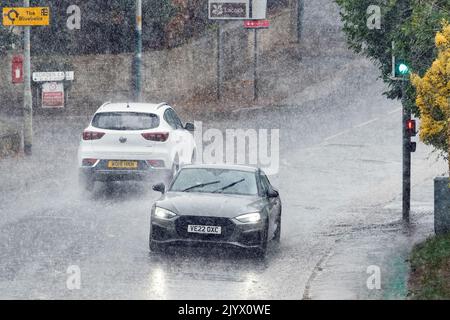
{"x":411,"y":127}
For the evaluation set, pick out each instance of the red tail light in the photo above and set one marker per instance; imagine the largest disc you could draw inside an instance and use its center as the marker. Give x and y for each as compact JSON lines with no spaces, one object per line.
{"x":155,"y":163}
{"x":88,"y":162}
{"x":156,"y":136}
{"x":92,"y":135}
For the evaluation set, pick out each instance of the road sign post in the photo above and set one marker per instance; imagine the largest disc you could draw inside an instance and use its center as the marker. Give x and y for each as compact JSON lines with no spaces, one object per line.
{"x":26,"y":16}
{"x":27,"y":95}
{"x":219,"y":60}
{"x":255,"y":25}
{"x":255,"y":65}
{"x":254,"y":12}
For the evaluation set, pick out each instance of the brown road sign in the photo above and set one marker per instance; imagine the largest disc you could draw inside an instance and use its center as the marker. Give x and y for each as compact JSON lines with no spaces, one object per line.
{"x":23,"y":16}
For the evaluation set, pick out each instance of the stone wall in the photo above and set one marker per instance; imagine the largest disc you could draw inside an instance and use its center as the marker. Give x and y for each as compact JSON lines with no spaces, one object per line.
{"x":168,"y":75}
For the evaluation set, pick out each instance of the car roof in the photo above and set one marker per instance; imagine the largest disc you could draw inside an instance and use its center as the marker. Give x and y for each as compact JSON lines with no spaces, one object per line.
{"x":132,"y":107}
{"x":221,"y":166}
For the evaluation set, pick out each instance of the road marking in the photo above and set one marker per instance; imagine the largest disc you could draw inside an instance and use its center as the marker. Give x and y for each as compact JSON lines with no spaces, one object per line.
{"x":366,"y":123}
{"x":394,"y":111}
{"x":336,"y":135}
{"x":255,"y":108}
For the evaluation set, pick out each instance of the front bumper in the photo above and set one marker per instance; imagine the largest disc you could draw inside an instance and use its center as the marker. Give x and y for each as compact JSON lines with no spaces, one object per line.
{"x":144,"y":172}
{"x":234,"y":233}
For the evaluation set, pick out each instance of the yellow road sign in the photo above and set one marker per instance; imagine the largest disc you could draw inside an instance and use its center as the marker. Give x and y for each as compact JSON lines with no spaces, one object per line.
{"x":22,"y":16}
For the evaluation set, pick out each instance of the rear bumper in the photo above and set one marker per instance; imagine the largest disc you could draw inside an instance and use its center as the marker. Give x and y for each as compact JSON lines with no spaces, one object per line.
{"x":172,"y":232}
{"x":149,"y":174}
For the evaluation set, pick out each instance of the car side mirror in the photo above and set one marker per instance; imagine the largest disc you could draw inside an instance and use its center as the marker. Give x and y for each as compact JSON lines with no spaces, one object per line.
{"x":160,"y":187}
{"x":189,"y":127}
{"x":272,"y":193}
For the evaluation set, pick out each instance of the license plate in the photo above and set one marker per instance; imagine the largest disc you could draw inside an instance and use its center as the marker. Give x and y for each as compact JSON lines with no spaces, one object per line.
{"x":204,"y":229}
{"x":122,"y":164}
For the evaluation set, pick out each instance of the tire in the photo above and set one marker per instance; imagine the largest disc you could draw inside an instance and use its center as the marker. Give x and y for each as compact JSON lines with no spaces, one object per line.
{"x":277,"y":235}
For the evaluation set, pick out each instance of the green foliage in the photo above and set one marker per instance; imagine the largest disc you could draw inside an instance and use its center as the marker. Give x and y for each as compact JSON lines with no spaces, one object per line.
{"x":411,"y":24}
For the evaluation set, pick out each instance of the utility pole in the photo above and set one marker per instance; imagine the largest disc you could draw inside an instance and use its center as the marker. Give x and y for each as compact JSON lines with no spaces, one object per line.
{"x":137,"y":72}
{"x":27,"y":96}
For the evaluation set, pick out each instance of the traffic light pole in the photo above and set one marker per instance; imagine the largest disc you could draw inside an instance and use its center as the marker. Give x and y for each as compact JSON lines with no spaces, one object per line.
{"x":27,"y":95}
{"x":406,"y":206}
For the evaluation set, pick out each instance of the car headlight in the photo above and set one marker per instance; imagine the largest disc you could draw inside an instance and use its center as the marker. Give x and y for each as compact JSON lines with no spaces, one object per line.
{"x":253,"y":217}
{"x":162,"y":213}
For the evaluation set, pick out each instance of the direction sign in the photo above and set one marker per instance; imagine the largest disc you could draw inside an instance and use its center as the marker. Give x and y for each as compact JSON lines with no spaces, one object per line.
{"x":53,"y":76}
{"x":256,"y":24}
{"x":228,"y":9}
{"x":26,"y":16}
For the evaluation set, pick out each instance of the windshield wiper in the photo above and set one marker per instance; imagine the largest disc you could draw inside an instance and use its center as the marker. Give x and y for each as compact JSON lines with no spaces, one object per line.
{"x":202,"y":185}
{"x":229,"y":185}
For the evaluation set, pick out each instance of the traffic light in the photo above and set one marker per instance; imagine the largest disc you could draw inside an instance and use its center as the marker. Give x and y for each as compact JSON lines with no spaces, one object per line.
{"x":411,"y":127}
{"x":401,"y":68}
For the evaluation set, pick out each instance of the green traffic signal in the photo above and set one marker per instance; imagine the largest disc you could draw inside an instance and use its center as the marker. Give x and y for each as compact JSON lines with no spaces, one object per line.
{"x":401,"y":68}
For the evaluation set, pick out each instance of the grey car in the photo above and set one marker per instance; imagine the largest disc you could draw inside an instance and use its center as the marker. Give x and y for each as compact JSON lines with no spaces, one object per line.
{"x":217,"y":204}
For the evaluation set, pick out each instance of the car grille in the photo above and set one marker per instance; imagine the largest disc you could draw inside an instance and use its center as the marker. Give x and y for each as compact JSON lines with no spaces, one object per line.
{"x":181,"y":225}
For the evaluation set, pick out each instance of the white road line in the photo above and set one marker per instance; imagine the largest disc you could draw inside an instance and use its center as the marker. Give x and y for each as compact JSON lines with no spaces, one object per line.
{"x":394,"y":111}
{"x":366,"y":123}
{"x":336,"y":135}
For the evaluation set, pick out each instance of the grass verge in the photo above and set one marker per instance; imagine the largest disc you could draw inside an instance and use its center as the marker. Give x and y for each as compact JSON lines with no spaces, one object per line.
{"x":430,"y":269}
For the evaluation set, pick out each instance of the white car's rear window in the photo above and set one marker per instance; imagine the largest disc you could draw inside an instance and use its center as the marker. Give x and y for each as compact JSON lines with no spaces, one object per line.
{"x":125,"y":121}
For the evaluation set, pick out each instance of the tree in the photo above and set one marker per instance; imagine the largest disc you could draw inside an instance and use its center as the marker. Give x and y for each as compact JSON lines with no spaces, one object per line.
{"x":433,"y":93}
{"x":410,"y":24}
{"x":8,"y":38}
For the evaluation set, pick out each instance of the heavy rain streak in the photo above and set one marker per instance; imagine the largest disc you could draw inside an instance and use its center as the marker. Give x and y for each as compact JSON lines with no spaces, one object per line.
{"x":194,"y":149}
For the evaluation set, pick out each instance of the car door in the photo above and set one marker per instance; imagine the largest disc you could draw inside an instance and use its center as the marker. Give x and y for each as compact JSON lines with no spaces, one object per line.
{"x":273,"y":204}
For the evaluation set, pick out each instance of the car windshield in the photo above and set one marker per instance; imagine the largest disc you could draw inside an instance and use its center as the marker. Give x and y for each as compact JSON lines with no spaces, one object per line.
{"x":212,"y":180}
{"x":125,"y":120}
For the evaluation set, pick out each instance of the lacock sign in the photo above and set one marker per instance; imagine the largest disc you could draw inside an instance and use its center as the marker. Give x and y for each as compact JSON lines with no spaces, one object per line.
{"x":229,"y":9}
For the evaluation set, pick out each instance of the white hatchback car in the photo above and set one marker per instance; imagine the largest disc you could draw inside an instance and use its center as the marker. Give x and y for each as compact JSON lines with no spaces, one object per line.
{"x":134,"y":141}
